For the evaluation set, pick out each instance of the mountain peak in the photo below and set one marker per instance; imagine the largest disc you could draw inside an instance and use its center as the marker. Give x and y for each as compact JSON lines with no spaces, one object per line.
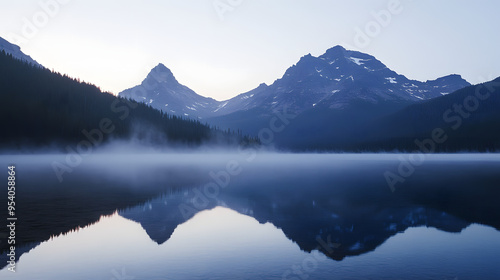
{"x":162,"y":74}
{"x":335,"y":79}
{"x":451,"y":76}
{"x":162,"y":91}
{"x":161,"y":66}
{"x":453,"y":79}
{"x":337,"y":48}
{"x":335,"y":52}
{"x":306,"y":57}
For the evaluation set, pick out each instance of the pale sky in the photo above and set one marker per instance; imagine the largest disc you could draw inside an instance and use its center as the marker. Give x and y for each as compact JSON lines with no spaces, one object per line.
{"x":221,"y":52}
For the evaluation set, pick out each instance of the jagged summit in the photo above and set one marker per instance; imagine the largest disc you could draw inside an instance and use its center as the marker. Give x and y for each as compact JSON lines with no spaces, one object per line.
{"x":162,"y":91}
{"x":334,"y":80}
{"x":162,"y":74}
{"x":161,"y":66}
{"x":336,"y":51}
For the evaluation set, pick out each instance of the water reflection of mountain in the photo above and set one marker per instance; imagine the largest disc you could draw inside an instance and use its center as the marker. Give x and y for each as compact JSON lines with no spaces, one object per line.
{"x":343,"y":198}
{"x":359,"y":218}
{"x":48,"y":208}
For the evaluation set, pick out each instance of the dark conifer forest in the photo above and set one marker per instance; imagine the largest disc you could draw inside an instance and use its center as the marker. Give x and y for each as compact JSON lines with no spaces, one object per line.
{"x":40,"y":108}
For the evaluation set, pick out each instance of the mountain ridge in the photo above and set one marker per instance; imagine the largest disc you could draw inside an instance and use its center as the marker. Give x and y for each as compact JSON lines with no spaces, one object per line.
{"x":175,"y":98}
{"x":46,"y":108}
{"x":336,"y":77}
{"x":16,"y":52}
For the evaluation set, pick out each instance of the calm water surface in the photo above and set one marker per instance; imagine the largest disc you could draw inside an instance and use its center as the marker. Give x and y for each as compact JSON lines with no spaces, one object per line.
{"x":264,"y":216}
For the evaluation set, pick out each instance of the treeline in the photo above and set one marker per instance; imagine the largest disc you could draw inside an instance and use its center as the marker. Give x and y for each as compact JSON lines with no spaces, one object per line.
{"x":467,"y":120}
{"x":40,"y":108}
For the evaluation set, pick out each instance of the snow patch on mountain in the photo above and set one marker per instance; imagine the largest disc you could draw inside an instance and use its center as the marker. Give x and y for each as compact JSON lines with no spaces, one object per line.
{"x":391,"y":80}
{"x":335,"y":80}
{"x":358,"y":61}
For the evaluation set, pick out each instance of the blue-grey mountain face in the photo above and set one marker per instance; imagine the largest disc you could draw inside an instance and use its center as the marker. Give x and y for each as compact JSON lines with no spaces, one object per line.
{"x":333,"y":98}
{"x":16,"y":52}
{"x":469,"y":119}
{"x":162,"y":91}
{"x":340,"y":76}
{"x":333,"y":80}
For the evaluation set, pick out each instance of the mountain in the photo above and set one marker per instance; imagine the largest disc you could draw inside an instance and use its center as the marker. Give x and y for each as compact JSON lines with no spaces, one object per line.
{"x":16,"y":52}
{"x":358,"y":229}
{"x":339,"y":77}
{"x":162,"y":91}
{"x":334,"y":79}
{"x":359,"y":214}
{"x":330,"y":97}
{"x":469,"y":120}
{"x":303,"y":200}
{"x":45,"y":108}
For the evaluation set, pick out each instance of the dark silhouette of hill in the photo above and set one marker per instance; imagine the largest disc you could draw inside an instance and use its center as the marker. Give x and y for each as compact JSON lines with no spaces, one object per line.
{"x":467,"y":120}
{"x":40,"y":108}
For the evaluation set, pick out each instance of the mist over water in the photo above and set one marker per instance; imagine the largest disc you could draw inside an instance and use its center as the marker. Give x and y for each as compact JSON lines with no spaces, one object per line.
{"x":340,"y":198}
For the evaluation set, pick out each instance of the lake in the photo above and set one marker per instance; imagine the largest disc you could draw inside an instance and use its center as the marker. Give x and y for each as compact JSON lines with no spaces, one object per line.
{"x":244,"y":215}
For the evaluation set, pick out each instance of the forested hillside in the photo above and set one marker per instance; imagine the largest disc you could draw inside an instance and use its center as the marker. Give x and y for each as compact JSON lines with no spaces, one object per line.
{"x":40,"y":107}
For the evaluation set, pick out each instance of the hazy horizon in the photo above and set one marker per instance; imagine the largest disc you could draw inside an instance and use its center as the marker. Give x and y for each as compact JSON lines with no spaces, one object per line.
{"x":223,"y":48}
